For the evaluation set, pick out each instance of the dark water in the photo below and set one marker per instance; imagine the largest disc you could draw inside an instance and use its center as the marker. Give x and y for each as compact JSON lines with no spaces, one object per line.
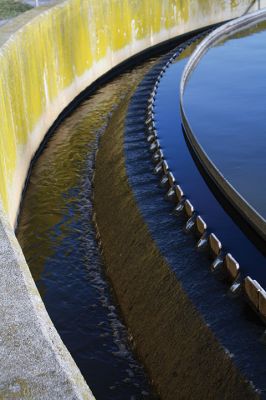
{"x":57,"y":237}
{"x":58,"y":240}
{"x":230,"y":319}
{"x":168,"y":122}
{"x":229,"y":119}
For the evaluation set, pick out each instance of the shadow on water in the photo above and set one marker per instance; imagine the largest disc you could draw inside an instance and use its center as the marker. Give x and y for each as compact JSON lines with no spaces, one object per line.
{"x":56,"y":234}
{"x":58,"y":240}
{"x":239,"y":332}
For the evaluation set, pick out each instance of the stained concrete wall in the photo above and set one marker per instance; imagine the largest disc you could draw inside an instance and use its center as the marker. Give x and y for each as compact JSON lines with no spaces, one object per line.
{"x":47,"y":57}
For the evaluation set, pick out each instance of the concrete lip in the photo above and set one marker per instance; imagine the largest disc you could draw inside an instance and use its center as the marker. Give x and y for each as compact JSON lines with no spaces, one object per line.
{"x":36,"y":363}
{"x":255,"y":220}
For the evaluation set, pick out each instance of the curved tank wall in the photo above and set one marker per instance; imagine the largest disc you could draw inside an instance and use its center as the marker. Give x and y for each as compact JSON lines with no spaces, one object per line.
{"x":240,"y":203}
{"x":47,"y":57}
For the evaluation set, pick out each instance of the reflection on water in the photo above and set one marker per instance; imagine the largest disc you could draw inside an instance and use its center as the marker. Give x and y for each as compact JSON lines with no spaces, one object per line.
{"x":58,"y":240}
{"x":169,"y":127}
{"x":229,"y":119}
{"x":230,"y":320}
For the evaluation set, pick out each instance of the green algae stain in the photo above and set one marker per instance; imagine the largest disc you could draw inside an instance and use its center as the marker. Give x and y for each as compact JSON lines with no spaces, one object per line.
{"x":16,"y":390}
{"x":58,"y":44}
{"x":119,"y":24}
{"x":235,"y":3}
{"x":176,"y":12}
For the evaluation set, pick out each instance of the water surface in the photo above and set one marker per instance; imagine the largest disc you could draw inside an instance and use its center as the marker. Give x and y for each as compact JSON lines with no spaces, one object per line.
{"x":57,"y":237}
{"x":225,"y":102}
{"x":231,"y":320}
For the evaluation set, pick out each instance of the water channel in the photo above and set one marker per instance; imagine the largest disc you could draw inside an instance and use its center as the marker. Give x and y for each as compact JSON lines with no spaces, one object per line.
{"x":57,"y":236}
{"x":229,"y":119}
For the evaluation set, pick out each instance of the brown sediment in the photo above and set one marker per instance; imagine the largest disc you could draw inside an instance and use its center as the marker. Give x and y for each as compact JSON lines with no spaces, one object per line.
{"x":181,"y":354}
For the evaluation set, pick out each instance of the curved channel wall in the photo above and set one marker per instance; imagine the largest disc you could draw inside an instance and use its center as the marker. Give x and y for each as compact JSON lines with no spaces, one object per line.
{"x":47,"y":57}
{"x":235,"y":198}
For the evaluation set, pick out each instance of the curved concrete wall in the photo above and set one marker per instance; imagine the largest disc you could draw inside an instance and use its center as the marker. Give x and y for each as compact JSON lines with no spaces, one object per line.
{"x":47,"y":57}
{"x":241,"y":205}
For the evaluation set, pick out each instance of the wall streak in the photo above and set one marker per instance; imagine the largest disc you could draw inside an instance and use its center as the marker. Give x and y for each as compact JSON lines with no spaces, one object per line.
{"x":47,"y":57}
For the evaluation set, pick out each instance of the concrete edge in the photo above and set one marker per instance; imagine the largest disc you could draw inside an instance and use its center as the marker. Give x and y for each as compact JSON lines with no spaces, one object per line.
{"x":241,"y":205}
{"x":74,"y":384}
{"x":171,"y":332}
{"x":57,"y":375}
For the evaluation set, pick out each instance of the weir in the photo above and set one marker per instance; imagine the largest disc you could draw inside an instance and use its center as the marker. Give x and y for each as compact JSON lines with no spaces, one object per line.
{"x":48,"y":57}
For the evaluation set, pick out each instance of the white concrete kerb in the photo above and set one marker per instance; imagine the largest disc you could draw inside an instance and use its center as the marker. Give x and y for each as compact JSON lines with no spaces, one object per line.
{"x":243,"y":207}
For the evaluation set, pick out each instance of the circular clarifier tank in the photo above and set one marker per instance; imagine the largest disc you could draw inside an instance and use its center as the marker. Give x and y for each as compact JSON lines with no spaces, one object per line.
{"x":225,"y":104}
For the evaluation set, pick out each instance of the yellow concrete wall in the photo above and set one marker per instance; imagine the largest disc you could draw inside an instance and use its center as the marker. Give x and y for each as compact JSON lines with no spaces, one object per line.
{"x":47,"y":56}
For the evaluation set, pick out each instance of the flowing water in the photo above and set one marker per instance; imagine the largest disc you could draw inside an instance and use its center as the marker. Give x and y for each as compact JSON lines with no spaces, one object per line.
{"x":219,"y":221}
{"x":233,"y":324}
{"x":57,"y":236}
